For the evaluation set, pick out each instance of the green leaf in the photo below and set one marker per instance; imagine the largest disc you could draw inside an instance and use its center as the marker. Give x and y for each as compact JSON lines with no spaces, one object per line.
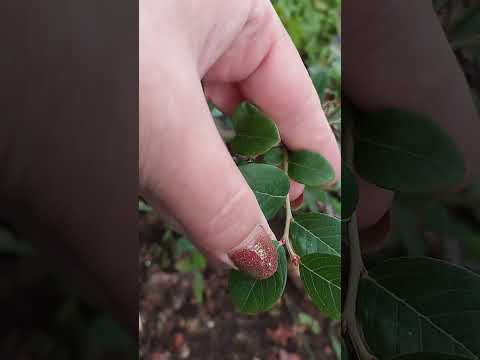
{"x":316,"y":233}
{"x":255,"y":133}
{"x":198,"y":287}
{"x":410,"y":305}
{"x":251,"y":296}
{"x":269,"y":184}
{"x":193,"y":262}
{"x":406,"y":152}
{"x":319,"y":78}
{"x":311,"y":200}
{"x":310,"y":168}
{"x":321,"y":276}
{"x":308,"y":321}
{"x":182,"y":245}
{"x":349,"y":192}
{"x":274,"y":157}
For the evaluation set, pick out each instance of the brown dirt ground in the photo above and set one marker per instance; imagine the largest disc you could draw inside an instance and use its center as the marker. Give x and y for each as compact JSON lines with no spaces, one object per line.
{"x":176,"y":327}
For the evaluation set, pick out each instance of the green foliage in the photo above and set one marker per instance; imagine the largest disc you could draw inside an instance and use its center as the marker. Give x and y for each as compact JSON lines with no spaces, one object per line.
{"x":310,"y":168}
{"x":256,"y":146}
{"x":194,"y":262}
{"x":308,"y":321}
{"x":191,"y":261}
{"x":392,"y":152}
{"x":312,"y":25}
{"x":320,"y":274}
{"x":269,"y":184}
{"x":414,"y":307}
{"x":255,"y":133}
{"x":316,"y":233}
{"x":411,"y":305}
{"x":274,"y":157}
{"x":327,"y":79}
{"x":252,"y":296}
{"x":310,"y":234}
{"x":198,"y":287}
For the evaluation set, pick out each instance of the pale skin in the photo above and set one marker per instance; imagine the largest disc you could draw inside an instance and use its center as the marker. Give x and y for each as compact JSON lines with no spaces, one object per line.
{"x":239,"y":51}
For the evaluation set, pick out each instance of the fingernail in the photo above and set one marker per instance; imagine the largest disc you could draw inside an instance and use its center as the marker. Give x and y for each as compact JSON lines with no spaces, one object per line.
{"x":256,"y":255}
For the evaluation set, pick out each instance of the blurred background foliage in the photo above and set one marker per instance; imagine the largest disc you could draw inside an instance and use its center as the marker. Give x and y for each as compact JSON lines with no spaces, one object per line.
{"x":314,"y":26}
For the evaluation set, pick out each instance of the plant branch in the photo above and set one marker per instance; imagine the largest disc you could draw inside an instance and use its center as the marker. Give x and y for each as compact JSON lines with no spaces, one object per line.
{"x":288,"y":218}
{"x":357,"y":271}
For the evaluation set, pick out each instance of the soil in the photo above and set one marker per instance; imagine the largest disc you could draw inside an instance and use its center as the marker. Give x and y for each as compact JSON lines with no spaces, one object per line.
{"x":174,"y":326}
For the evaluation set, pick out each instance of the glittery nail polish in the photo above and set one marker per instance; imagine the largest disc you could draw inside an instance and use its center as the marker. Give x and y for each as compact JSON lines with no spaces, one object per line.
{"x":257,"y":255}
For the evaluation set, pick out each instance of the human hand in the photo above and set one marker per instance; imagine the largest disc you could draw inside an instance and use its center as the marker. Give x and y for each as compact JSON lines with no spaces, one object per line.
{"x":239,"y":51}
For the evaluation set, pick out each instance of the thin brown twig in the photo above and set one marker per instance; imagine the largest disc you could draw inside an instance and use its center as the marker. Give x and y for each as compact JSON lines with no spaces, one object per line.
{"x":288,"y":219}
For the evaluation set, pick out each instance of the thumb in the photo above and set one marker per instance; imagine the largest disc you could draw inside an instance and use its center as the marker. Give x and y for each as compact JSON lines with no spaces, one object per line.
{"x":186,"y":169}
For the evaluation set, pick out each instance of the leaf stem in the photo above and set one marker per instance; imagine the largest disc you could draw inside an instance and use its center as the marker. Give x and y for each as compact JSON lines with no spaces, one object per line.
{"x":357,"y":271}
{"x":288,"y":218}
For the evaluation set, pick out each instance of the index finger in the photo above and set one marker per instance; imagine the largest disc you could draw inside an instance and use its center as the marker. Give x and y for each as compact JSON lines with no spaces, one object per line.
{"x":282,"y":88}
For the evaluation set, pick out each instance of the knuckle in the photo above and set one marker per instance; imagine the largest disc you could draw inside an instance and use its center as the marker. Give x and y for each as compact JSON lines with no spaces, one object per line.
{"x":234,"y":218}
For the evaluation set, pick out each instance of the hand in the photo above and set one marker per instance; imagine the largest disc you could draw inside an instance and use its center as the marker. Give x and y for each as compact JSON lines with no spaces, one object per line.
{"x":239,"y":51}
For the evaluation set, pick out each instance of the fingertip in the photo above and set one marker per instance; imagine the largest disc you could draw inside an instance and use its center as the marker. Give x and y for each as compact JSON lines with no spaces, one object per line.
{"x":256,"y":255}
{"x":296,"y":190}
{"x":373,"y":203}
{"x":297,"y":203}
